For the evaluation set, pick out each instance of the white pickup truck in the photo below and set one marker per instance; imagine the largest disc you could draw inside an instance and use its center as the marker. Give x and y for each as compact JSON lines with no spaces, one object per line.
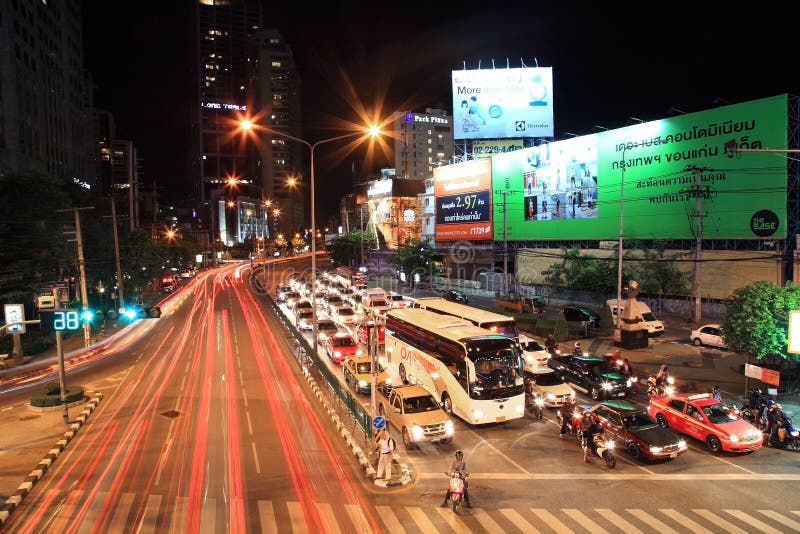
{"x":375,"y":302}
{"x":415,"y":414}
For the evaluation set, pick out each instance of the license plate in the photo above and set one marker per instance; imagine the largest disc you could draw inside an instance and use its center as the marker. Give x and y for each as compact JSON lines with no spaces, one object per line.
{"x":673,"y":455}
{"x":622,"y":394}
{"x":501,"y":419}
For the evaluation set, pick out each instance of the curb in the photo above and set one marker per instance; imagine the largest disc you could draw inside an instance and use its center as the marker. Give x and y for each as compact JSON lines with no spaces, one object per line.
{"x":358,"y":452}
{"x":41,"y":468}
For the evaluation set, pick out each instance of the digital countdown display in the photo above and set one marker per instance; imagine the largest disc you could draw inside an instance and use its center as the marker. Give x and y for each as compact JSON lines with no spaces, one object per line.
{"x":61,"y":320}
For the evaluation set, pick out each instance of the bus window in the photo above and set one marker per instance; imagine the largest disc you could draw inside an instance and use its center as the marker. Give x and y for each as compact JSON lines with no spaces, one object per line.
{"x":504,"y":328}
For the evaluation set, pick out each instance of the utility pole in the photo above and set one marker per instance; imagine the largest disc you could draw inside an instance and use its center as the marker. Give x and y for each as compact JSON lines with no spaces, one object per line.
{"x":121,"y":299}
{"x":505,"y":239}
{"x":698,"y":193}
{"x":81,"y":267}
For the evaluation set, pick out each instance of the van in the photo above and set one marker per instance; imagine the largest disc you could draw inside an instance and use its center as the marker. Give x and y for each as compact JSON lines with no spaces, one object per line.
{"x":643,"y":313}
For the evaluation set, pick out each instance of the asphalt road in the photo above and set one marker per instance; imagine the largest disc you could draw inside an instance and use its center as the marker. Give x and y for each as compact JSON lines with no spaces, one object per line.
{"x":206,"y":427}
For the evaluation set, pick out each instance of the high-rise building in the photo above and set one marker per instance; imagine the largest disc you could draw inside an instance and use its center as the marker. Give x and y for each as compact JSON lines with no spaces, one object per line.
{"x":282,"y":165}
{"x":422,"y":141}
{"x":45,"y":93}
{"x":224,"y":29}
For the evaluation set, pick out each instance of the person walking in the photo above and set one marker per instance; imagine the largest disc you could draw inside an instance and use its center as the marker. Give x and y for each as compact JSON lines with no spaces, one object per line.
{"x":385,"y":447}
{"x":566,"y":417}
{"x":458,"y":466}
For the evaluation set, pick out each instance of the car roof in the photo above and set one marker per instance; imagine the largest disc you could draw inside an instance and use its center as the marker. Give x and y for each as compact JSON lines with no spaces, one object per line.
{"x":590,"y":359}
{"x":700,"y":399}
{"x":621,"y":406}
{"x":341,"y":335}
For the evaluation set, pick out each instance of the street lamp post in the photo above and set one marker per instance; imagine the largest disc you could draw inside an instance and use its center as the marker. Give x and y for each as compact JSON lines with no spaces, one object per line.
{"x":373,"y":131}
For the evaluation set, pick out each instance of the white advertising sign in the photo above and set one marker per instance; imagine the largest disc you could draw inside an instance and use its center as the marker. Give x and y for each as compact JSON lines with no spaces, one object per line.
{"x":15,"y":313}
{"x":503,"y":103}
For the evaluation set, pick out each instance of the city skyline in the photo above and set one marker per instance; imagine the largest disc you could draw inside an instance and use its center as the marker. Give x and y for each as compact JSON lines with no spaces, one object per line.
{"x":610,"y":69}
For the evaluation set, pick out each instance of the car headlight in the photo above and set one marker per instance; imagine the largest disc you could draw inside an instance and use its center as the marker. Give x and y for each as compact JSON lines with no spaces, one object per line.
{"x":449,"y":428}
{"x":551,"y":397}
{"x":628,"y":382}
{"x":572,"y":393}
{"x":529,"y":358}
{"x":337,"y":353}
{"x":478,"y":414}
{"x":358,"y":352}
{"x":363,"y":384}
{"x":607,"y":386}
{"x":655,"y":450}
{"x":682,"y":444}
{"x":520,"y":409}
{"x":417,"y":433}
{"x":734,"y":438}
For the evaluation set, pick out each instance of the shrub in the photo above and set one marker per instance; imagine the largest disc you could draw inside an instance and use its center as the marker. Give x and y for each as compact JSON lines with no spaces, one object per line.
{"x":50,"y":395}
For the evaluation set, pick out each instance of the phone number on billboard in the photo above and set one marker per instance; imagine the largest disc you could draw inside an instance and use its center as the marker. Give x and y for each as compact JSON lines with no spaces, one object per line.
{"x":494,"y":149}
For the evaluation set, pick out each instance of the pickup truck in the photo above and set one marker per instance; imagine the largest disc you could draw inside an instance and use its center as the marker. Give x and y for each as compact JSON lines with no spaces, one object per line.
{"x":414,"y":413}
{"x":524,"y":305}
{"x":592,"y":374}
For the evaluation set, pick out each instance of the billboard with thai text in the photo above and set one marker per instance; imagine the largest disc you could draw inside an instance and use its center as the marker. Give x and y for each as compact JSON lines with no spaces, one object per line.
{"x":579,"y":188}
{"x":463,"y":200}
{"x":503,"y":103}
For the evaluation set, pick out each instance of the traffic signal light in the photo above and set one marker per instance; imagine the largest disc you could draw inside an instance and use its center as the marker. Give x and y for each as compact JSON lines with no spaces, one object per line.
{"x":143,"y":312}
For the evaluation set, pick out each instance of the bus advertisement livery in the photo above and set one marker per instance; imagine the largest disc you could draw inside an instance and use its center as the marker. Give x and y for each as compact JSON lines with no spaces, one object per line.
{"x":473,"y":373}
{"x":495,"y":322}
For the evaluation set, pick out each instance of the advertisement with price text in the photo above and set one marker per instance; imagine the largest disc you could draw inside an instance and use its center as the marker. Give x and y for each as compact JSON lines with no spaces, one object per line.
{"x":463,"y":197}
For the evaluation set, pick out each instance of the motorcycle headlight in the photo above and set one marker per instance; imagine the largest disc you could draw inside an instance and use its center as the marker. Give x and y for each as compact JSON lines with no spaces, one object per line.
{"x":610,"y":444}
{"x":607,"y":386}
{"x":669,"y":390}
{"x":794,"y":434}
{"x":670,"y":380}
{"x":539,"y":401}
{"x":417,"y":433}
{"x":634,"y":379}
{"x":655,"y":450}
{"x":449,"y":428}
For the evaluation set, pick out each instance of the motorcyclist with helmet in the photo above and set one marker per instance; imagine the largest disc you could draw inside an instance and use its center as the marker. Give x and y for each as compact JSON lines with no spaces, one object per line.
{"x":593,"y":426}
{"x":577,"y":350}
{"x":458,"y":466}
{"x":758,"y":405}
{"x":775,"y":420}
{"x":662,"y":376}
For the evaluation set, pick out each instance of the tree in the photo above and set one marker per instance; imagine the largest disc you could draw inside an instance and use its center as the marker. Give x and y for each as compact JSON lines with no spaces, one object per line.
{"x":756,"y":319}
{"x":346,"y":249}
{"x":298,"y":243}
{"x":561,"y":328}
{"x":586,"y":272}
{"x":657,"y":274}
{"x":415,"y":257}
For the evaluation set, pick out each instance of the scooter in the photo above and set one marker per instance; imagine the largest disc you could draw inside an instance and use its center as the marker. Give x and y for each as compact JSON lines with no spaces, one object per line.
{"x":457,"y":481}
{"x":574,"y":423}
{"x":654,"y":390}
{"x":791,"y":437}
{"x":604,"y":449}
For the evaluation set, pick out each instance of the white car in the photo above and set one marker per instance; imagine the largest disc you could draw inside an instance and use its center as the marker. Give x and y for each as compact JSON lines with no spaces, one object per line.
{"x":550,"y":386}
{"x":396,"y":301}
{"x":708,"y":334}
{"x":345,"y":315}
{"x":534,"y":357}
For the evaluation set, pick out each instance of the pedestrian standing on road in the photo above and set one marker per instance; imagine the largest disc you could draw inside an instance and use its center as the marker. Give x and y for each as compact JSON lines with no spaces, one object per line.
{"x":385,"y":447}
{"x":566,"y":417}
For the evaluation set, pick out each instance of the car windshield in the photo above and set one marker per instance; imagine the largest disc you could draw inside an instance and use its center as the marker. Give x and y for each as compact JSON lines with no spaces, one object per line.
{"x":548,"y":379}
{"x":420,"y":404}
{"x":504,"y":328}
{"x":604,"y":369}
{"x":396,"y":297}
{"x":379,"y":302}
{"x":343,"y":342}
{"x":306,"y":315}
{"x":533,"y":345}
{"x":345,"y":311}
{"x":365,"y":368}
{"x":718,"y":413}
{"x":334,"y":300}
{"x":639,"y":420}
{"x":326,"y":325}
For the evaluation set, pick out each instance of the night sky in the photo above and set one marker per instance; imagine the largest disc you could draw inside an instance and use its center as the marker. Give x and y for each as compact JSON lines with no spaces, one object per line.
{"x":609,"y":64}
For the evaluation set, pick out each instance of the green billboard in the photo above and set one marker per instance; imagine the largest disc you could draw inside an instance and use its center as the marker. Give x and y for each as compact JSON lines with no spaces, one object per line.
{"x":573,"y":189}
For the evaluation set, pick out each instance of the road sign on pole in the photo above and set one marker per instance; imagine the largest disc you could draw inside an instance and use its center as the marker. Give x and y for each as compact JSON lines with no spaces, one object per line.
{"x":379,"y":422}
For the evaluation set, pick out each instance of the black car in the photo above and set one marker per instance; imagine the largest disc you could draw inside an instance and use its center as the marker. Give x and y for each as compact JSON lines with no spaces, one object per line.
{"x":632,"y":429}
{"x":581,"y":315}
{"x":591,"y":374}
{"x":454,"y":295}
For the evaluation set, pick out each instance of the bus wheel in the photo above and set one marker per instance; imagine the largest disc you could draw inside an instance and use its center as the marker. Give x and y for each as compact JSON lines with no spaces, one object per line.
{"x":447,"y":404}
{"x":402,"y":371}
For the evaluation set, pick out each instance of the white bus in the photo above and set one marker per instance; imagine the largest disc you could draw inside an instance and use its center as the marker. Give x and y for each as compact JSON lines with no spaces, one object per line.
{"x":497,"y":323}
{"x":350,"y":277}
{"x":474,"y":374}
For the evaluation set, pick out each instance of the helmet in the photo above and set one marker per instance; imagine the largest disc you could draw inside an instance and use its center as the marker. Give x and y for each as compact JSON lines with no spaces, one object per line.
{"x":770,"y":402}
{"x":664,"y":367}
{"x":577,"y":344}
{"x":757,"y":391}
{"x":716,"y":387}
{"x":459,"y":453}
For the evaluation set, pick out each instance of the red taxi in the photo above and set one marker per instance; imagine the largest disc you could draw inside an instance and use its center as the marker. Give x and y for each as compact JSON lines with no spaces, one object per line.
{"x":340,"y":346}
{"x":702,"y":417}
{"x":362,"y":332}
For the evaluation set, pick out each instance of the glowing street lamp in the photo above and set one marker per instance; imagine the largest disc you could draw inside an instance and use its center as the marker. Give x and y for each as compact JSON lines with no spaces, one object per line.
{"x":372,"y":132}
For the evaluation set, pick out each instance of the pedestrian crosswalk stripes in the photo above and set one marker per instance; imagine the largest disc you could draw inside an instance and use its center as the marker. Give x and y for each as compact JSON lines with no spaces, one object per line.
{"x":157,"y":513}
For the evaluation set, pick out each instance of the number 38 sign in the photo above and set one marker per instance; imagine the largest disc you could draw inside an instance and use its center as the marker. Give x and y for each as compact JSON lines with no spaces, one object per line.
{"x":59,"y":320}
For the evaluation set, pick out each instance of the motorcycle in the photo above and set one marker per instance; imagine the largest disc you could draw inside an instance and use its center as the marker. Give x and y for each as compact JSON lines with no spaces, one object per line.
{"x":457,"y":481}
{"x":573,"y":424}
{"x":603,"y":448}
{"x":656,"y":390}
{"x":791,"y":437}
{"x":535,"y":403}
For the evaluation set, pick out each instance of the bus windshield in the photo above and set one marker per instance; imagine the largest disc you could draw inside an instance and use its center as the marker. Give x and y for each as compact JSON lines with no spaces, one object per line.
{"x":498,"y":369}
{"x":504,"y":328}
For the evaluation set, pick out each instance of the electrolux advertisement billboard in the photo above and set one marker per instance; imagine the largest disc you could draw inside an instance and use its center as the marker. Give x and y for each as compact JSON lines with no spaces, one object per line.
{"x":571,"y":189}
{"x":503,"y":103}
{"x":463,"y":200}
